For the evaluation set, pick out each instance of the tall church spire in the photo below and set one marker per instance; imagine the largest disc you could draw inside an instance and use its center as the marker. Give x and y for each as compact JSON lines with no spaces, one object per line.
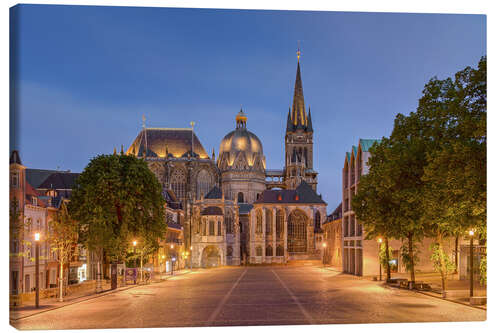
{"x":299,"y":119}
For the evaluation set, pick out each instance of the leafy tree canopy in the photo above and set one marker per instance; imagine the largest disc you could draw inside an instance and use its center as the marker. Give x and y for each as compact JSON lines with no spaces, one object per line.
{"x":117,"y":199}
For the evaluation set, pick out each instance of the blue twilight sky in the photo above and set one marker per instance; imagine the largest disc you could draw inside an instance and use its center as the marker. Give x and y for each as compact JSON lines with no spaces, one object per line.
{"x":83,"y":76}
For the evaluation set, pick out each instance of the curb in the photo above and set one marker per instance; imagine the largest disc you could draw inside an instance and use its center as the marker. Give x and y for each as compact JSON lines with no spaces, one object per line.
{"x":102,"y":294}
{"x":427,"y":293}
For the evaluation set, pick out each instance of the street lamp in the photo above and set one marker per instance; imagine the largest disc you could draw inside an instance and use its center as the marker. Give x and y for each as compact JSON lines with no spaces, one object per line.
{"x":379,"y":241}
{"x":324,"y":249}
{"x":37,"y":269}
{"x":471,"y":234}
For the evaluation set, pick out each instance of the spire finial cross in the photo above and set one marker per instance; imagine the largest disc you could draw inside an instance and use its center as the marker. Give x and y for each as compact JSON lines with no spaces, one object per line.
{"x":298,"y":49}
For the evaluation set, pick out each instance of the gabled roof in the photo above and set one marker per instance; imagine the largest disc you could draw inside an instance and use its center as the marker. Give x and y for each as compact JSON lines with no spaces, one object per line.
{"x":59,"y":180}
{"x":302,"y":194}
{"x":215,"y":193}
{"x":367,"y":143}
{"x":355,"y":151}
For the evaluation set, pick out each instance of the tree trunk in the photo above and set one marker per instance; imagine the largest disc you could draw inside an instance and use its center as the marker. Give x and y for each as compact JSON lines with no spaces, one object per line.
{"x":412,"y":263}
{"x":61,"y":277}
{"x":441,"y":263}
{"x":456,"y":255}
{"x":388,"y":265}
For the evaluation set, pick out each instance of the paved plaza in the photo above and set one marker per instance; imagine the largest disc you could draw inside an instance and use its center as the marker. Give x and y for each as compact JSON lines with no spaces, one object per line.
{"x":272,"y":295}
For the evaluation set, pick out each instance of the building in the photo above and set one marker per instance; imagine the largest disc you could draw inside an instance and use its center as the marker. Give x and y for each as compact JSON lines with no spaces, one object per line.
{"x":332,"y":227}
{"x":359,"y":255}
{"x":236,"y":210}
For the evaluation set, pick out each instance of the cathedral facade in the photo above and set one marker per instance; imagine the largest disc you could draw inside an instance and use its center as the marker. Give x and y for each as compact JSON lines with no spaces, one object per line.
{"x":236,"y":211}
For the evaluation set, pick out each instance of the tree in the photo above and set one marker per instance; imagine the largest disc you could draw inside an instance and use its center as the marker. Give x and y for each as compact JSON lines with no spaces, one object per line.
{"x":63,"y":238}
{"x":388,"y":200}
{"x":453,"y":111}
{"x":115,"y":199}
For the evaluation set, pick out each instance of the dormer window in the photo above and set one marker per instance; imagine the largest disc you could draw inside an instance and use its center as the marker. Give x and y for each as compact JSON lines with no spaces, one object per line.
{"x":34,"y":201}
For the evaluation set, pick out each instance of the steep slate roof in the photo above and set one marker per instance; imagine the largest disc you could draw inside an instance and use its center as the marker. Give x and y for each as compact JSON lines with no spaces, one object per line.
{"x":215,"y":193}
{"x":212,"y":210}
{"x":304,"y":192}
{"x":355,"y":151}
{"x":367,"y":143}
{"x":37,"y":176}
{"x":59,"y":180}
{"x":14,"y":158}
{"x":176,"y":140}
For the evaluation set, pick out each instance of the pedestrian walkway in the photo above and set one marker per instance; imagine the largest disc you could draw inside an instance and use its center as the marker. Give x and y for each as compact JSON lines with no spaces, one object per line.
{"x":47,"y":304}
{"x":457,"y":290}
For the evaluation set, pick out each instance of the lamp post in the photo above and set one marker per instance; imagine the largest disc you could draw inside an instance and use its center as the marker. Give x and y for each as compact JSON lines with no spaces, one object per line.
{"x":172,"y":260}
{"x":37,"y":269}
{"x":134,"y":243}
{"x":471,"y":246}
{"x":324,"y":249}
{"x":379,"y":241}
{"x":191,"y":258}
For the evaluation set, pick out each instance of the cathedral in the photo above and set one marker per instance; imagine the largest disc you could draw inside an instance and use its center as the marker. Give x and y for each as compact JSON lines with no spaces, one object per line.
{"x":234,"y":209}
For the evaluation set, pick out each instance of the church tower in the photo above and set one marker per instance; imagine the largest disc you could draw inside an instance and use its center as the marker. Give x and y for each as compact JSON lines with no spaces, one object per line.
{"x":299,"y":140}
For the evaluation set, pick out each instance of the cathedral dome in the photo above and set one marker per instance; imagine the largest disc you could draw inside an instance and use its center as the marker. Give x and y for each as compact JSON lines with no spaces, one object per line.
{"x":241,"y":144}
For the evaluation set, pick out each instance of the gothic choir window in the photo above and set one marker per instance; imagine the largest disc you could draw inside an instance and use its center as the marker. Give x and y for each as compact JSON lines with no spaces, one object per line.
{"x":280,"y":221}
{"x":228,"y":221}
{"x":178,"y":182}
{"x":269,"y":251}
{"x":258,"y":251}
{"x":279,"y":251}
{"x":240,"y":197}
{"x":199,"y":227}
{"x":219,"y":229}
{"x":297,"y":232}
{"x":204,"y":228}
{"x":203,"y":183}
{"x":269,"y":222}
{"x":211,"y":228}
{"x":258,"y":228}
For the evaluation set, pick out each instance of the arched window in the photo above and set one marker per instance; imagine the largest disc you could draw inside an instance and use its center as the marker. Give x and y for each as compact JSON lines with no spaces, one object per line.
{"x":219,"y":229}
{"x":258,"y":251}
{"x":203,"y":183}
{"x":317,"y":221}
{"x":297,"y":232}
{"x":211,"y":228}
{"x":229,"y":251}
{"x":204,"y":228}
{"x":280,"y":221}
{"x":269,"y":251}
{"x":228,"y":221}
{"x":279,"y":251}
{"x":199,"y":227}
{"x":269,"y":222}
{"x":240,"y":197}
{"x":178,"y":183}
{"x":258,"y":227}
